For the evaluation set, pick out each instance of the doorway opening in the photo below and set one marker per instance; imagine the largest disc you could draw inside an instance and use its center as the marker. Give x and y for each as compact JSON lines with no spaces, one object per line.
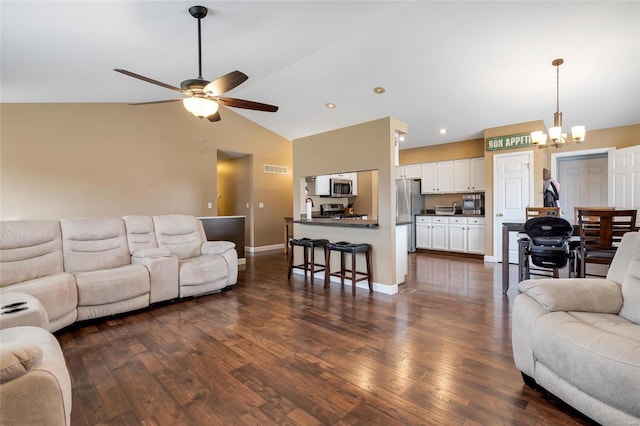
{"x":583,"y":179}
{"x":234,"y":195}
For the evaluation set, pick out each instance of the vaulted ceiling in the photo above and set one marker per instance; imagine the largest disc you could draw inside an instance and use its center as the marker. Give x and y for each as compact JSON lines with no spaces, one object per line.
{"x":462,"y":66}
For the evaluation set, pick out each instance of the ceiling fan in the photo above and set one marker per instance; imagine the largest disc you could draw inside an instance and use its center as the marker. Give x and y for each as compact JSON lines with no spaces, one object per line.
{"x":204,"y":97}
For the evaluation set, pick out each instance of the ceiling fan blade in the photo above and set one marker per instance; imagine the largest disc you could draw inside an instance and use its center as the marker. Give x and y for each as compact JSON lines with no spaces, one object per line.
{"x":240,"y":103}
{"x":225,"y":83}
{"x":157,"y":102}
{"x":214,"y":117}
{"x":148,"y":80}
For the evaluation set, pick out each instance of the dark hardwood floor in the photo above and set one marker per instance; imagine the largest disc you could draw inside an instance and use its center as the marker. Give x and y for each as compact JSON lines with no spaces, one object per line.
{"x":273,"y":352}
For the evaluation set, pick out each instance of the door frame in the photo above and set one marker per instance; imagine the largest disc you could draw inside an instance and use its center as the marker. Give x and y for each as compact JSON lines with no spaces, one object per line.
{"x":556,"y":156}
{"x":497,"y":230}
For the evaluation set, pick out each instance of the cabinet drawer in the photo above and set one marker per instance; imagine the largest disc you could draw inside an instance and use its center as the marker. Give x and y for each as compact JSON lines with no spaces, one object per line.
{"x":458,"y":220}
{"x":423,"y":219}
{"x":475,"y":220}
{"x":439,"y":220}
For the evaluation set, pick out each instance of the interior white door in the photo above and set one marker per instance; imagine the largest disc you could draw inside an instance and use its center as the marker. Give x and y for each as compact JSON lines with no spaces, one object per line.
{"x":583,"y":182}
{"x":512,"y":195}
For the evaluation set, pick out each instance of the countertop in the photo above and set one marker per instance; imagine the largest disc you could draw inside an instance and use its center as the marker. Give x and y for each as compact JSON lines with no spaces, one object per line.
{"x":451,"y":215}
{"x":349,"y":223}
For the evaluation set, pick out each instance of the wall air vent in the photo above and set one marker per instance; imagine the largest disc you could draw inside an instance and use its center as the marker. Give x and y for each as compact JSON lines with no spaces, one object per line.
{"x":281,"y":170}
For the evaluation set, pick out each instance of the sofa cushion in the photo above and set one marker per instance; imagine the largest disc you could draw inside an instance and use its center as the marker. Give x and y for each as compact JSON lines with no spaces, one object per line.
{"x":91,"y":244}
{"x":182,"y":235}
{"x":631,"y":287}
{"x":57,"y":293}
{"x":574,"y":294}
{"x":140,"y":233}
{"x":29,"y":249}
{"x":202,"y":269}
{"x":582,"y":350}
{"x":111,"y":285}
{"x":16,"y":359}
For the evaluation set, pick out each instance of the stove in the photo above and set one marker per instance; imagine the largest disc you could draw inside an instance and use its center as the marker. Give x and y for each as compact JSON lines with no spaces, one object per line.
{"x":336,"y":211}
{"x":331,"y":209}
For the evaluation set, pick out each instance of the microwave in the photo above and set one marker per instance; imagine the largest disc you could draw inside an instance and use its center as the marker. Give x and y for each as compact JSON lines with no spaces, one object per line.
{"x":341,"y":188}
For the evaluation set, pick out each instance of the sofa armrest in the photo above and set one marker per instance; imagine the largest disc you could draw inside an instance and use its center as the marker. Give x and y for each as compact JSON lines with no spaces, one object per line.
{"x":575,"y":294}
{"x":217,"y":247}
{"x":151,"y":253}
{"x":17,"y":359}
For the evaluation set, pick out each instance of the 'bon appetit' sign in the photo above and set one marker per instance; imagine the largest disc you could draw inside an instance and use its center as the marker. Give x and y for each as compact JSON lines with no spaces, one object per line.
{"x":509,"y":142}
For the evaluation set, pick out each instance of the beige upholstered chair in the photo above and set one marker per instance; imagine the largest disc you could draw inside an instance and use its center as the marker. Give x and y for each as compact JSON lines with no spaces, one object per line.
{"x":35,"y":387}
{"x":204,"y":266}
{"x":31,"y":262}
{"x":96,"y":252}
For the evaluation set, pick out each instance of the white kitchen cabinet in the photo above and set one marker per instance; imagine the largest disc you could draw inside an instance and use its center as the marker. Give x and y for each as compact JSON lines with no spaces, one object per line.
{"x":428,"y":176}
{"x":462,"y":175}
{"x":437,"y":178}
{"x":475,"y":240}
{"x":458,"y":234}
{"x":354,"y":183}
{"x":323,"y":185}
{"x":444,"y":175}
{"x":624,"y":178}
{"x":450,"y":233}
{"x":468,"y":175}
{"x":477,"y":174}
{"x":431,"y":232}
{"x":439,"y":233}
{"x":409,"y":171}
{"x":466,"y":234}
{"x":423,"y":232}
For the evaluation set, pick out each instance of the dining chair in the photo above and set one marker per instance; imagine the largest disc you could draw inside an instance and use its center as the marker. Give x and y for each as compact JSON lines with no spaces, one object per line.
{"x":600,"y":233}
{"x":526,"y":269}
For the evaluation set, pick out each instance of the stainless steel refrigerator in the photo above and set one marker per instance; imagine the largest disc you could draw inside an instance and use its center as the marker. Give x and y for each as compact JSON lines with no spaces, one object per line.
{"x":409,"y":203}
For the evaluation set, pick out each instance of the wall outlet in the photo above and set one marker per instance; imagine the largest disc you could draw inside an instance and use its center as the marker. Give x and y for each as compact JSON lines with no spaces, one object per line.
{"x":247,"y":205}
{"x":261,"y":205}
{"x":209,"y":205}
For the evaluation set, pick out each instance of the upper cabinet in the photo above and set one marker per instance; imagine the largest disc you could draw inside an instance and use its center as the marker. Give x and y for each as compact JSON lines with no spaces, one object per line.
{"x":323,"y":185}
{"x":409,"y":171}
{"x":468,"y":175}
{"x":437,"y":178}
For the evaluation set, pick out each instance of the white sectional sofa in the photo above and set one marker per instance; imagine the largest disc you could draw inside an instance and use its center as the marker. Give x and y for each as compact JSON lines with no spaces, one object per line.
{"x":60,"y":272}
{"x":85,"y":268}
{"x":579,"y":338}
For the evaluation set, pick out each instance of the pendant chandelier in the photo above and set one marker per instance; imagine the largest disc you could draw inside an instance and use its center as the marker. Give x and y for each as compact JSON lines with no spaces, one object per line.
{"x":556,"y":137}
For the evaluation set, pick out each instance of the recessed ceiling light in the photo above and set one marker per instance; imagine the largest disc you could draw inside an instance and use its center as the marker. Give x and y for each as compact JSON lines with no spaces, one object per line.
{"x":330,"y":105}
{"x":443,"y":131}
{"x":379,"y":90}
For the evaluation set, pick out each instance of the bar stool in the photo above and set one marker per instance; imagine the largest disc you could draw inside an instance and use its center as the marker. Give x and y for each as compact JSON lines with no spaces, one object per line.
{"x":345,"y":247}
{"x":308,"y":264}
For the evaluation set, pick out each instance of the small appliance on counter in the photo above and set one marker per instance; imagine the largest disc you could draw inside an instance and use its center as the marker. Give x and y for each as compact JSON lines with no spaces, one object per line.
{"x":473,"y":204}
{"x":447,"y":210}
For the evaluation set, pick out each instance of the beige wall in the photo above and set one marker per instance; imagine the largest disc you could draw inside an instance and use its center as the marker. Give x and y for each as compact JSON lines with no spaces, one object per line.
{"x":449,"y":151}
{"x":69,"y":160}
{"x":366,"y":146}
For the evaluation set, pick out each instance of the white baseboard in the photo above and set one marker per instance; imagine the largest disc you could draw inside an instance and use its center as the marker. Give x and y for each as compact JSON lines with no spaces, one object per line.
{"x":264,"y":248}
{"x":377,"y":287}
{"x":491,"y":259}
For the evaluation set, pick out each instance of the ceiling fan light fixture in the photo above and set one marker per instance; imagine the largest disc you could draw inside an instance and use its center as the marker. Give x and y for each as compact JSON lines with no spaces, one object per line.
{"x":200,"y":107}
